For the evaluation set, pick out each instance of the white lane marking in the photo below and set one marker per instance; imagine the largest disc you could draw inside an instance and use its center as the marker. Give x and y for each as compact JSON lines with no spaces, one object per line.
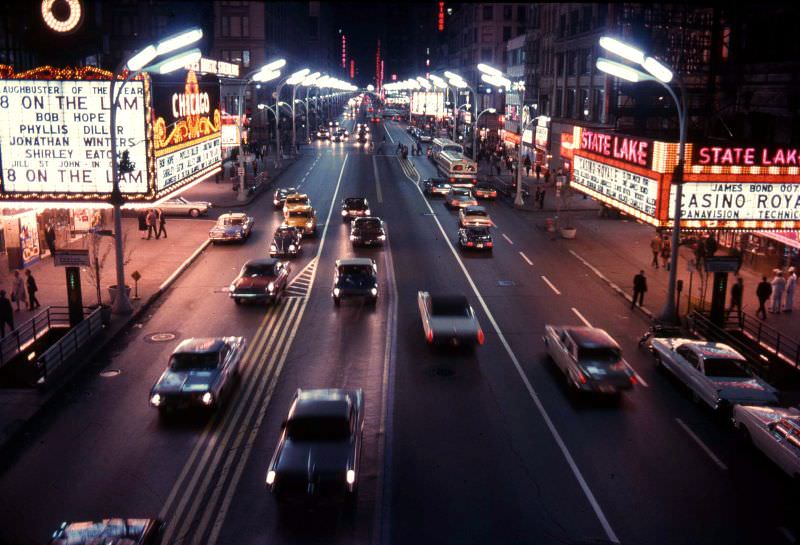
{"x":702,"y":445}
{"x":528,"y":261}
{"x":388,"y":134}
{"x":330,"y":211}
{"x":377,"y":179}
{"x":552,"y":287}
{"x":581,"y":317}
{"x":507,"y":239}
{"x":787,"y":534}
{"x":576,"y":472}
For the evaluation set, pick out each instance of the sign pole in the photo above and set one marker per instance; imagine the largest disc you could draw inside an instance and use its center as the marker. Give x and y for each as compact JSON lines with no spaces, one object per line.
{"x":74,"y":296}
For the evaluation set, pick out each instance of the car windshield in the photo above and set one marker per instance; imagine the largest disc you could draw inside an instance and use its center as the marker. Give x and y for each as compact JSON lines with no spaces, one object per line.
{"x":723,"y":368}
{"x":450,"y":306}
{"x":299,"y":214}
{"x":451,"y":147}
{"x":232,"y":221}
{"x":326,"y":428}
{"x":285,"y":232}
{"x":355,"y":203}
{"x":368,"y":224}
{"x":261,"y":269}
{"x":600,"y":355}
{"x":297,"y":200}
{"x":356,"y":270}
{"x":482,"y":232}
{"x":484,"y":187}
{"x":184,"y":361}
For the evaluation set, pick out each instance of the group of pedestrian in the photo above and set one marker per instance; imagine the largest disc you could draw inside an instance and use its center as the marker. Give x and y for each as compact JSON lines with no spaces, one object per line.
{"x":780,"y":290}
{"x":661,"y":248}
{"x":538,"y":196}
{"x":23,"y":292}
{"x":402,"y":149}
{"x":152,"y":223}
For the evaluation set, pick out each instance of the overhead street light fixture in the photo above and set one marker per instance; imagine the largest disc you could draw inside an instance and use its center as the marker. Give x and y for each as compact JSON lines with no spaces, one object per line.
{"x":310,"y":79}
{"x":658,"y":70}
{"x":142,"y":58}
{"x":179,"y":61}
{"x":622,"y":71}
{"x":298,"y":76}
{"x":490,"y":70}
{"x":266,"y":75}
{"x":627,"y":52}
{"x":274,"y":65}
{"x":178,"y":41}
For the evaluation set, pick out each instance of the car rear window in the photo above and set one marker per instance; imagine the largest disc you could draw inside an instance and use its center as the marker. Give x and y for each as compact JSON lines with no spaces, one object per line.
{"x":475,"y":213}
{"x":449,"y":306}
{"x":368,"y":223}
{"x":326,"y":428}
{"x":355,"y":203}
{"x":600,"y":355}
{"x":299,"y":214}
{"x":723,"y":368}
{"x":185,"y":361}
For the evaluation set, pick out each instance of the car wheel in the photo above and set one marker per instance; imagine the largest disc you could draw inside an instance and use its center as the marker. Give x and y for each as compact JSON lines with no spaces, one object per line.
{"x":744,"y":435}
{"x":337,"y":301}
{"x":657,"y":361}
{"x":237,"y":300}
{"x":194,"y":212}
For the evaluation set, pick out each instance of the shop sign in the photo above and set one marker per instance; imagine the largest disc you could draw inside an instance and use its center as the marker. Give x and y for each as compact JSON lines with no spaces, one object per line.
{"x":29,"y":237}
{"x":213,"y":66}
{"x":618,"y":185}
{"x":510,"y":137}
{"x":739,"y":201}
{"x":745,"y":156}
{"x":527,"y":136}
{"x":622,"y":148}
{"x":427,"y":103}
{"x":230,"y":136}
{"x":542,"y":135}
{"x":55,"y":137}
{"x":71,"y":258}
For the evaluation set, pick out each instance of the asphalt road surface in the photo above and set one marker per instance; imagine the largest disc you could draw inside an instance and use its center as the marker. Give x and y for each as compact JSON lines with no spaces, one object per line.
{"x":482,"y":446}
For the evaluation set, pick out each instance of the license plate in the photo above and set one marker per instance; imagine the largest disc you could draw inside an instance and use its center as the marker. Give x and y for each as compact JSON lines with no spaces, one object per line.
{"x":480,"y":245}
{"x":607,"y":389}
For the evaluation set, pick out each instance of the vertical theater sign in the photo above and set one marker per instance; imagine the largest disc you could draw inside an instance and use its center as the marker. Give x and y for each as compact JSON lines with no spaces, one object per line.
{"x":725,"y":187}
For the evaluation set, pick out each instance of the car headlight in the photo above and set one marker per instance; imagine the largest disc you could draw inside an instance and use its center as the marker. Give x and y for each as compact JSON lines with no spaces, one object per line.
{"x":374,"y":291}
{"x":273,"y":247}
{"x":309,"y":223}
{"x":292,"y":247}
{"x":344,"y":212}
{"x":207,"y":399}
{"x":270,"y":476}
{"x":336,"y":292}
{"x":232,"y":287}
{"x":351,"y":476}
{"x":367,"y":211}
{"x":381,"y":237}
{"x":271,"y":287}
{"x":239,"y":234}
{"x":155,"y":400}
{"x":352,"y":237}
{"x":276,"y":202}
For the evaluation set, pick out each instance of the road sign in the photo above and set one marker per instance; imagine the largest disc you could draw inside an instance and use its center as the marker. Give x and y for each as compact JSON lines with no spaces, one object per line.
{"x":723,"y":264}
{"x":71,"y":258}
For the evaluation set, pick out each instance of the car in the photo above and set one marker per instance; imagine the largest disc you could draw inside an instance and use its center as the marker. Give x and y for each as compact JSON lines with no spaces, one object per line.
{"x":362,"y":137}
{"x":367,"y":231}
{"x":590,"y":359}
{"x":484,"y":190}
{"x":279,"y":198}
{"x":355,"y":207}
{"x":200,"y":374}
{"x":122,"y":531}
{"x":286,"y":242}
{"x":478,"y":238}
{"x":318,"y":454}
{"x":424,"y":137}
{"x":775,"y":431}
{"x":714,"y":372}
{"x":323,"y":133}
{"x":474,"y":216}
{"x":180,"y":206}
{"x":295,"y":200}
{"x":448,"y":319}
{"x":355,"y":277}
{"x":459,"y":198}
{"x":233,"y":226}
{"x":261,"y":281}
{"x":339,"y":135}
{"x":303,"y":218}
{"x":436,"y":186}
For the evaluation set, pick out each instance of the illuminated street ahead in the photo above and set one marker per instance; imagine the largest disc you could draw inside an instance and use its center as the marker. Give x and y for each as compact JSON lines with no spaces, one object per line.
{"x":466,"y":447}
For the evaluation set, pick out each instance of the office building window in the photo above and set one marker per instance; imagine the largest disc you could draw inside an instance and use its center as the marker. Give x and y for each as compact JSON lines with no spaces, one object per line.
{"x":475,"y":35}
{"x":586,"y":111}
{"x":562,"y":26}
{"x":246,"y":58}
{"x":571,"y":63}
{"x":246,"y":27}
{"x":487,"y":36}
{"x":573,"y":22}
{"x":522,"y":14}
{"x":570,"y":110}
{"x":486,"y":54}
{"x":520,"y":30}
{"x":559,"y":100}
{"x":508,"y":12}
{"x":560,"y":64}
{"x":599,"y":104}
{"x":235,"y":26}
{"x":586,"y":19}
{"x":506,"y":33}
{"x":488,"y":13}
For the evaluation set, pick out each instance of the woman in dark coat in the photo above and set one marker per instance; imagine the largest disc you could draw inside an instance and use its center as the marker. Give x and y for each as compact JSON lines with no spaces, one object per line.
{"x":142,"y":217}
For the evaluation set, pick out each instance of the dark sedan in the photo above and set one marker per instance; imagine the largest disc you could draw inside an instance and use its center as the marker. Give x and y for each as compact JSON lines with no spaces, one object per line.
{"x":355,"y":277}
{"x":477,"y":238}
{"x":260,"y":280}
{"x":279,"y":198}
{"x":286,"y":242}
{"x":367,"y":232}
{"x":201,"y":372}
{"x":436,"y":186}
{"x":354,"y":207}
{"x":318,"y":453}
{"x":485,"y":190}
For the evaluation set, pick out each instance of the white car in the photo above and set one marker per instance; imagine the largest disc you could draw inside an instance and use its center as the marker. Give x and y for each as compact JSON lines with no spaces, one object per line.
{"x":474,"y":216}
{"x":774,"y":431}
{"x":448,"y":319}
{"x":179,"y":206}
{"x":714,"y":372}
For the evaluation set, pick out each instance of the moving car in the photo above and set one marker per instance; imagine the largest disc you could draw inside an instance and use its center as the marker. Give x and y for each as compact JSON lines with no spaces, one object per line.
{"x":478,"y":238}
{"x":362,"y":137}
{"x":319,"y":451}
{"x":484,"y":190}
{"x":303,"y":218}
{"x":339,"y":135}
{"x":233,"y":226}
{"x":121,"y":531}
{"x":589,"y":358}
{"x":459,"y":198}
{"x":323,"y":133}
{"x":260,"y":280}
{"x":448,"y":319}
{"x":774,"y":431}
{"x":436,"y":186}
{"x":474,"y":216}
{"x":179,"y":206}
{"x":201,"y":372}
{"x":424,"y":136}
{"x":286,"y":241}
{"x":714,"y":372}
{"x":367,"y":232}
{"x":354,"y":207}
{"x":279,"y":198}
{"x":355,"y":277}
{"x":295,"y":200}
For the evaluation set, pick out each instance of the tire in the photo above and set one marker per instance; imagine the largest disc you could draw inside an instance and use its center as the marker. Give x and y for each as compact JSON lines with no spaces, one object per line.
{"x":657,"y":361}
{"x":194,"y":212}
{"x":237,"y":300}
{"x":337,"y":301}
{"x":744,"y":435}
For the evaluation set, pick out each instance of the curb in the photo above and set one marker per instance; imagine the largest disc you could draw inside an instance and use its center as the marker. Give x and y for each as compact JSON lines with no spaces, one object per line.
{"x":264,"y":185}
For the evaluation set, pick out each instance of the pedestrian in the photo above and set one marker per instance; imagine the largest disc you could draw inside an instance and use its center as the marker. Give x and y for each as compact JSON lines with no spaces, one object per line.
{"x":18,"y":290}
{"x":6,"y":314}
{"x":736,"y":297}
{"x":763,"y":292}
{"x":711,"y":246}
{"x":161,"y":222}
{"x":399,"y":147}
{"x":778,"y":287}
{"x":541,"y":199}
{"x":50,"y":237}
{"x":639,"y":289}
{"x":527,"y":163}
{"x":255,"y":167}
{"x":666,"y":253}
{"x":791,"y":284}
{"x":33,"y":302}
{"x":142,"y":218}
{"x":538,"y":171}
{"x":655,"y":247}
{"x":419,"y":148}
{"x":151,"y":223}
{"x":536,"y":194}
{"x":700,"y":254}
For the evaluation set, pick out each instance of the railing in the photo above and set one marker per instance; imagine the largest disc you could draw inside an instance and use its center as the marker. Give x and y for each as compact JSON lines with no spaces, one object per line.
{"x":27,"y":333}
{"x":55,"y":357}
{"x":701,"y":324}
{"x":769,"y":338}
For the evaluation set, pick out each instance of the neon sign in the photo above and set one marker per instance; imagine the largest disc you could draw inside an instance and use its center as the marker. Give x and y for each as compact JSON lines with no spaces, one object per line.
{"x":623,"y":148}
{"x":440,"y":18}
{"x":742,"y":156}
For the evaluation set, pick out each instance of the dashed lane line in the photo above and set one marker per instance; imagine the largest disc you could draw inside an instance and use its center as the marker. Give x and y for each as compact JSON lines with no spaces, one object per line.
{"x":377,"y":179}
{"x":528,"y":261}
{"x":702,"y":445}
{"x":581,"y":317}
{"x":508,"y":239}
{"x":552,"y":287}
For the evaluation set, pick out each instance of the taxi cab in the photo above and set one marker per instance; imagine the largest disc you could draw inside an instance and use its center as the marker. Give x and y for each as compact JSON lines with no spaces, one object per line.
{"x":303,"y":218}
{"x":295,"y":200}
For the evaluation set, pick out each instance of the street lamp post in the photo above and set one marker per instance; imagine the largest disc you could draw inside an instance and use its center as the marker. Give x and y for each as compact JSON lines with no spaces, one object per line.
{"x":459,"y":83}
{"x":657,"y":72}
{"x":475,"y":130}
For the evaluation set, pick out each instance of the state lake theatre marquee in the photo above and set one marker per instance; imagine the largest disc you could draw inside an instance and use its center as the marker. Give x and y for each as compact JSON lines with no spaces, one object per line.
{"x":725,"y":187}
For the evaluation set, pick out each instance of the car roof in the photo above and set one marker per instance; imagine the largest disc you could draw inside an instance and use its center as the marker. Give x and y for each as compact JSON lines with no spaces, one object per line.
{"x":591,"y":337}
{"x":354,"y":199}
{"x":199,"y":345}
{"x":287,"y":189}
{"x":713,"y":350}
{"x":469,"y":209}
{"x":321,"y":403}
{"x":233,"y":215}
{"x":302,"y":208}
{"x":262,"y":261}
{"x":355,"y":261}
{"x":297,"y":195}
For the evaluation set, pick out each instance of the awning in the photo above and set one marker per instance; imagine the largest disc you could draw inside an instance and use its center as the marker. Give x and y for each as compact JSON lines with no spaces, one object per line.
{"x":790,"y":238}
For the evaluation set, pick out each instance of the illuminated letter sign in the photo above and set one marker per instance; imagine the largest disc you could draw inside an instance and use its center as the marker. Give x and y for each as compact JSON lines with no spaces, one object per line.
{"x":745,"y":156}
{"x":440,"y":18}
{"x":623,"y":148}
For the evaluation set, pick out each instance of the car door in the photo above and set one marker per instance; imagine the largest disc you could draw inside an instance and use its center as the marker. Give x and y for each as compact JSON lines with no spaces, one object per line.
{"x":683,"y":360}
{"x":785,"y":450}
{"x":562,"y":354}
{"x":226,"y":366}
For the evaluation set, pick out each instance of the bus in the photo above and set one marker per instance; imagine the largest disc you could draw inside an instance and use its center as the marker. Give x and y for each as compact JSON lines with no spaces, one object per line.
{"x":444,"y":144}
{"x":459,"y":171}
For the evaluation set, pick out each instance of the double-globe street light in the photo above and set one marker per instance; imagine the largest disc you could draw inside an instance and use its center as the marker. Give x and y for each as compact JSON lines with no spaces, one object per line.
{"x":174,"y":45}
{"x":661,"y":74}
{"x":460,"y":83}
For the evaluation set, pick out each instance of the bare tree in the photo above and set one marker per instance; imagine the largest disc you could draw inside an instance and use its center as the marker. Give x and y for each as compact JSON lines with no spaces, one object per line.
{"x":100,"y":247}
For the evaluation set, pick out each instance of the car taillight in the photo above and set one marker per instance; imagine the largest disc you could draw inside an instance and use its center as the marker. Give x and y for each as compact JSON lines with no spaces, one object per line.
{"x":633,"y":380}
{"x":430,"y":336}
{"x":489,"y":244}
{"x":452,"y":180}
{"x":470,"y":244}
{"x":481,"y":338}
{"x":581,"y":378}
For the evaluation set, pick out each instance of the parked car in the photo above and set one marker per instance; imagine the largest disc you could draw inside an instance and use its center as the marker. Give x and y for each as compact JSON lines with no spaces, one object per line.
{"x":448,"y":319}
{"x":715,"y":373}
{"x":590,"y":359}
{"x":459,"y":198}
{"x":319,"y":451}
{"x":121,"y":531}
{"x":260,"y":281}
{"x":200,"y":374}
{"x":367,"y":232}
{"x":355,"y":277}
{"x":286,"y":242}
{"x":233,"y":226}
{"x":474,"y":216}
{"x":774,"y":431}
{"x":477,"y":238}
{"x":180,"y":206}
